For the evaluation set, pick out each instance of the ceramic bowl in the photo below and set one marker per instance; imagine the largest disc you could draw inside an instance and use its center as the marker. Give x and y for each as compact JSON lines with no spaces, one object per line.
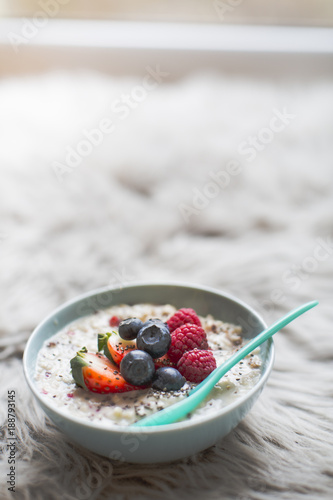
{"x":157,"y":443}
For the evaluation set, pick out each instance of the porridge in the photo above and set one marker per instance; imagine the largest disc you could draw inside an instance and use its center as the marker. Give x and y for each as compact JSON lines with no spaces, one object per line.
{"x":55,"y":381}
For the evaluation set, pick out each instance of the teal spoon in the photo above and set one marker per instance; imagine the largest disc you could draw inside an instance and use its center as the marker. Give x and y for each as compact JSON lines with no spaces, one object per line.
{"x":201,"y":391}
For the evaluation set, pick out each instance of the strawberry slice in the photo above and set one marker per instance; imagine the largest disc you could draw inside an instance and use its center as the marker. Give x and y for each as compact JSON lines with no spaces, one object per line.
{"x":97,"y":373}
{"x":163,"y":361}
{"x":114,"y":346}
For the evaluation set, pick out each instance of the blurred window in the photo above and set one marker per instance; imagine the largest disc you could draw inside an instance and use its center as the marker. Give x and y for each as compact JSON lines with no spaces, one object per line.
{"x":267,"y":12}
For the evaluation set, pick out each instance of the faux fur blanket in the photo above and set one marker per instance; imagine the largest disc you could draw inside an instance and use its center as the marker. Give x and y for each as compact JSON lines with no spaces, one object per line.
{"x":223,"y":182}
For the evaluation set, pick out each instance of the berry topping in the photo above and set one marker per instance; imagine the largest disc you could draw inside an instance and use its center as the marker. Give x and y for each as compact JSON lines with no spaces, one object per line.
{"x":185,"y":315}
{"x":168,"y":379}
{"x":114,"y":346}
{"x":114,"y":321}
{"x":196,"y":365}
{"x":97,"y":373}
{"x":137,"y":367}
{"x":154,"y":338}
{"x":185,"y":338}
{"x":163,"y":361}
{"x":129,"y":328}
{"x":154,"y":321}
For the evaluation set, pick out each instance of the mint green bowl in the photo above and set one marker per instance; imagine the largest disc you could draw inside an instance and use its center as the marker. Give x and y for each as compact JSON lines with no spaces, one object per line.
{"x":158,"y":443}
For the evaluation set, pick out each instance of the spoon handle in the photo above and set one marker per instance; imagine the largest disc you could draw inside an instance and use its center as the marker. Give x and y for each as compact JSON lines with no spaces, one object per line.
{"x":217,"y":374}
{"x":197,"y":395}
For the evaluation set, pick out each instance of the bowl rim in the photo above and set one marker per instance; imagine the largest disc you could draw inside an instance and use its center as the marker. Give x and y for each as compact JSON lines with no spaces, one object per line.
{"x":128,"y":429}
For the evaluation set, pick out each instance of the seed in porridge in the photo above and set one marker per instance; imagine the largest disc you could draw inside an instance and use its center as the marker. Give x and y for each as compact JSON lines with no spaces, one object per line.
{"x":253,"y":363}
{"x":51,"y":344}
{"x":163,"y":361}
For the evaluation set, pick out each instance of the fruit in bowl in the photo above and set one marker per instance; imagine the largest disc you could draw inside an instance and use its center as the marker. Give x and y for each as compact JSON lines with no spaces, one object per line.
{"x":129,"y":359}
{"x":94,"y":380}
{"x":132,"y":350}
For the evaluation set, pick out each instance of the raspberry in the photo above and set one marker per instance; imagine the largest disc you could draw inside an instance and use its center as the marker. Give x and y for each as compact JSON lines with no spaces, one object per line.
{"x":114,"y":321}
{"x":185,"y":315}
{"x":196,"y":365}
{"x":185,"y":338}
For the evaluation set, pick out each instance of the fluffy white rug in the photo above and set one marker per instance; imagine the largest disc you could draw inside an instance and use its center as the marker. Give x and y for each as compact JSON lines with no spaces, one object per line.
{"x":142,"y":204}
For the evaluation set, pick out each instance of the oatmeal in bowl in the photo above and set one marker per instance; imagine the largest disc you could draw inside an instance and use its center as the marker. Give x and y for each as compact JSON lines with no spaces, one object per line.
{"x":126,"y":404}
{"x":113,"y":357}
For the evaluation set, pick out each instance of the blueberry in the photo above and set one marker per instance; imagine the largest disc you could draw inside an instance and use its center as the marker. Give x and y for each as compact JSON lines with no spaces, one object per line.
{"x":155,"y":321}
{"x":154,"y":338}
{"x":129,"y":328}
{"x":168,"y":379}
{"x":137,"y":367}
